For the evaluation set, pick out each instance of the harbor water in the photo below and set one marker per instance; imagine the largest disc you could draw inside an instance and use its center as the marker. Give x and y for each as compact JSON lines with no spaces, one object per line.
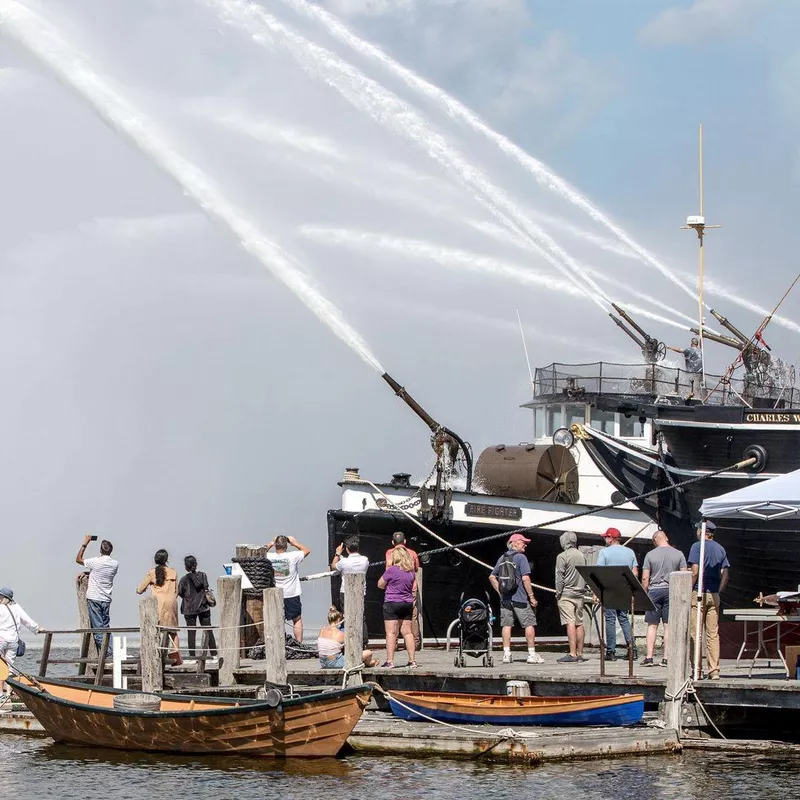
{"x":35,"y":769}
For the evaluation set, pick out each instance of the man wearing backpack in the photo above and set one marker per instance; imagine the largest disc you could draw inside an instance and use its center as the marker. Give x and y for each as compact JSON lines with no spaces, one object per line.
{"x":511,"y":579}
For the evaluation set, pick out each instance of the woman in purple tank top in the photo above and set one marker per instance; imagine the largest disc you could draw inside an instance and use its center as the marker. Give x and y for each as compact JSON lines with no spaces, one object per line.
{"x":400,"y":583}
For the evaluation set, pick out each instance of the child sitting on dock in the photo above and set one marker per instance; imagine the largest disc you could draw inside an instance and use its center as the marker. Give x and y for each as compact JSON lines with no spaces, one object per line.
{"x":330,"y":644}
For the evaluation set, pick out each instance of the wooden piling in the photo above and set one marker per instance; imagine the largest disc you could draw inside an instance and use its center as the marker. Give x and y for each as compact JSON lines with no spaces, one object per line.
{"x":253,"y":602}
{"x":354,"y":585}
{"x":680,"y":605}
{"x":152,"y":666}
{"x":87,"y":640}
{"x":229,"y":602}
{"x":274,"y":637}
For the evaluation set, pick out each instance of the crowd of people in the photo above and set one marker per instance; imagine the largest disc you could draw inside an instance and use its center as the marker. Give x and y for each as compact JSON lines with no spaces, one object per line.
{"x":510,"y":578}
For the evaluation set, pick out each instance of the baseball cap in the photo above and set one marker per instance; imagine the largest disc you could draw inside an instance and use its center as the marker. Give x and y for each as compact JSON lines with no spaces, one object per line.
{"x":612,"y":533}
{"x":710,"y":526}
{"x":518,"y":537}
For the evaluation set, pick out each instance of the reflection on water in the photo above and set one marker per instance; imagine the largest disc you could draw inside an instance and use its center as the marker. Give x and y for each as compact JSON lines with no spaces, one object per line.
{"x":37,"y":768}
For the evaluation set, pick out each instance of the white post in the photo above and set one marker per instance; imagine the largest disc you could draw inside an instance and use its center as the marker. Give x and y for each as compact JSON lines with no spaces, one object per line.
{"x":698,"y":622}
{"x":120,"y":654}
{"x":117,"y":662}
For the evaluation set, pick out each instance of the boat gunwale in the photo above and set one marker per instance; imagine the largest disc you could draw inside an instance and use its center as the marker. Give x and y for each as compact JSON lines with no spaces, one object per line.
{"x":460,"y":699}
{"x":246,"y":706}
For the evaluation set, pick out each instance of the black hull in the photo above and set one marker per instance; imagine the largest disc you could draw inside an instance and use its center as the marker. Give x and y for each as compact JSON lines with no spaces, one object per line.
{"x":448,"y":575}
{"x":764,"y":555}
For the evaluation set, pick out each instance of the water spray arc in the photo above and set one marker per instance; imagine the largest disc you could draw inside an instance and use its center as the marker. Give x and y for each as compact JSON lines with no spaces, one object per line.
{"x":458,"y":111}
{"x":48,"y":47}
{"x":388,"y":110}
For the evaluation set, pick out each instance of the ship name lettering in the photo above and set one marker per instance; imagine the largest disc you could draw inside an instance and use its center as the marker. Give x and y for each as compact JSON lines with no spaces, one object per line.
{"x":778,"y":418}
{"x":496,"y":512}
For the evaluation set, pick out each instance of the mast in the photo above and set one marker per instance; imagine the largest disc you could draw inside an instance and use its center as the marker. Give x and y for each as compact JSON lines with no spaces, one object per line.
{"x":698,"y":223}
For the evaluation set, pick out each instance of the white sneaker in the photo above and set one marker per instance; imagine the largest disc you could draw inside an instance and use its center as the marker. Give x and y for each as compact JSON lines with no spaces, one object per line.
{"x":534,"y":658}
{"x":506,"y":658}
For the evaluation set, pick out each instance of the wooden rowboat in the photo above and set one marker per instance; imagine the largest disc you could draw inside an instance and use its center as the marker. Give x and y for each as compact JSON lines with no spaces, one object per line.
{"x":313,"y":726}
{"x":490,"y":709}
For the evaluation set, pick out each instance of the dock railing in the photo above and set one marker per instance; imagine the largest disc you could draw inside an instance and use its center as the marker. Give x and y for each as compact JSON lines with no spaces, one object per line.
{"x":84,"y":660}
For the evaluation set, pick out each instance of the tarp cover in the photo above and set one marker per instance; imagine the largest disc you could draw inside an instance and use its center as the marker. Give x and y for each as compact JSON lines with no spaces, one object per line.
{"x":777,"y":497}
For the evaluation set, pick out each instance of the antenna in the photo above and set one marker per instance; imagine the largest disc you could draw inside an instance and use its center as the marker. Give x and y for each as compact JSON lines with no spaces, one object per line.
{"x":697,"y":222}
{"x":525,"y":348}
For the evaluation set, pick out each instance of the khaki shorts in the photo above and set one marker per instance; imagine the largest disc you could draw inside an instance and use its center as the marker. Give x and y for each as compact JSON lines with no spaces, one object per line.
{"x":570,"y":609}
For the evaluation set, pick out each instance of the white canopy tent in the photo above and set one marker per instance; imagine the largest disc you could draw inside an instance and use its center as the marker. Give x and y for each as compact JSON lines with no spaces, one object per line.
{"x":771,"y":499}
{"x":775,"y":498}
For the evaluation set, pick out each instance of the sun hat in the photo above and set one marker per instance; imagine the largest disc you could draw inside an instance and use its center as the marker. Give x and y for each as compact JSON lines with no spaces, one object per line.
{"x":6,"y":592}
{"x":518,"y":537}
{"x":612,"y":533}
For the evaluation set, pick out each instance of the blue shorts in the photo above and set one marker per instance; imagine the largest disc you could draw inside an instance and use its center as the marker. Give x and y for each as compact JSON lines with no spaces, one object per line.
{"x":332,"y":662}
{"x":660,"y":598}
{"x":292,"y":608}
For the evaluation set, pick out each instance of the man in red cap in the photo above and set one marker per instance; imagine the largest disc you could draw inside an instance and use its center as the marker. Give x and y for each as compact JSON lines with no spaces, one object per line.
{"x":511,"y":579}
{"x":615,"y":554}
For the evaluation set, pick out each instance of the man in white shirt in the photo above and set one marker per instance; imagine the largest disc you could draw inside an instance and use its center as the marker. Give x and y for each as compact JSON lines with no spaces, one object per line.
{"x":285,"y":564}
{"x":102,"y":571}
{"x":353,"y":562}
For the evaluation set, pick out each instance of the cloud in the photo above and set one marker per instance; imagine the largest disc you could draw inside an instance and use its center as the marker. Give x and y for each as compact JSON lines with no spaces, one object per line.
{"x":701,"y":20}
{"x":492,"y":54}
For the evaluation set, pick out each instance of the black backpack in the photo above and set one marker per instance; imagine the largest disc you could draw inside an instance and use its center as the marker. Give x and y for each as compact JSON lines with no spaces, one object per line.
{"x":507,"y":574}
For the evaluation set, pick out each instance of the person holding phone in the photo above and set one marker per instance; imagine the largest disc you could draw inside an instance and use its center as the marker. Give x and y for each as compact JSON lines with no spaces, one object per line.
{"x":102,"y":572}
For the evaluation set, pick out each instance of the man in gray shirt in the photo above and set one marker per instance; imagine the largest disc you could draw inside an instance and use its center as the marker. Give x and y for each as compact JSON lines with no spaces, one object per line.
{"x":569,"y":594}
{"x":658,"y":564}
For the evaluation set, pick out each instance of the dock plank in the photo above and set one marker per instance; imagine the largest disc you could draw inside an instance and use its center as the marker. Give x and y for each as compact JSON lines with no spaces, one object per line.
{"x":382,"y":734}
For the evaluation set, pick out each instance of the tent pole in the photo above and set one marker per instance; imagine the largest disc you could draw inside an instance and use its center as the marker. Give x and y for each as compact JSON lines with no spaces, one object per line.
{"x":698,"y":624}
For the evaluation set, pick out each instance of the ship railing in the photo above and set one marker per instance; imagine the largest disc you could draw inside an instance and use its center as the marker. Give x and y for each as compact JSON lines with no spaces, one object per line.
{"x":654,"y":381}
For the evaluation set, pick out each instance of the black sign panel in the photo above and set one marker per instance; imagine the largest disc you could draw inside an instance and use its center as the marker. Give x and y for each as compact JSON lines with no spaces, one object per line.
{"x":493,"y":512}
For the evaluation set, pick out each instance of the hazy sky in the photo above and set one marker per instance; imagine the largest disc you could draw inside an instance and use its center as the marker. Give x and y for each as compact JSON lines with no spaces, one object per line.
{"x":163,"y":388}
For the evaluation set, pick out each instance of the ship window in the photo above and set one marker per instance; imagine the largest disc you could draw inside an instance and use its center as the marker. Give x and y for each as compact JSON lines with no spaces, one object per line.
{"x":538,"y":422}
{"x":555,"y":419}
{"x":576,"y":414}
{"x":629,"y":426}
{"x":603,"y":420}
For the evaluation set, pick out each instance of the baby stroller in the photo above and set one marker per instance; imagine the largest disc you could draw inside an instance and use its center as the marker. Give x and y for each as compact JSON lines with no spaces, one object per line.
{"x":474,"y":631}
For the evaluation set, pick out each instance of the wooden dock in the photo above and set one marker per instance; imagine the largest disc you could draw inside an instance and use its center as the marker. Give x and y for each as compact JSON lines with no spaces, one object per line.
{"x":379,"y":733}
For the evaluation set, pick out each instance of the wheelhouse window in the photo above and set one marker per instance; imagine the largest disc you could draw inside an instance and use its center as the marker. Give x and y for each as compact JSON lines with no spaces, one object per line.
{"x":603,"y":421}
{"x":538,"y":422}
{"x":555,"y":419}
{"x":576,"y":413}
{"x":629,"y":426}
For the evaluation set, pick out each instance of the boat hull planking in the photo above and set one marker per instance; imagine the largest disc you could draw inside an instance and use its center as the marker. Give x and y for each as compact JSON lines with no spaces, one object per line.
{"x":502,"y":710}
{"x":308,"y":727}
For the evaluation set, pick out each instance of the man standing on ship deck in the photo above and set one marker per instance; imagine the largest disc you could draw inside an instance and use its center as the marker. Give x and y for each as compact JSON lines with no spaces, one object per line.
{"x":518,"y":601}
{"x":715,"y":577}
{"x":615,"y":554}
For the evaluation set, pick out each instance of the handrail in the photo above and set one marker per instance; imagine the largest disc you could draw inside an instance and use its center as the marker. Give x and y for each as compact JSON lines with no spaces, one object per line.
{"x":93,"y":630}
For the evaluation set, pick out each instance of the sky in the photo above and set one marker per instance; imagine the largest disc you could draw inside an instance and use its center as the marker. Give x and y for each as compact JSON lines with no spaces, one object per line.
{"x":222,"y":219}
